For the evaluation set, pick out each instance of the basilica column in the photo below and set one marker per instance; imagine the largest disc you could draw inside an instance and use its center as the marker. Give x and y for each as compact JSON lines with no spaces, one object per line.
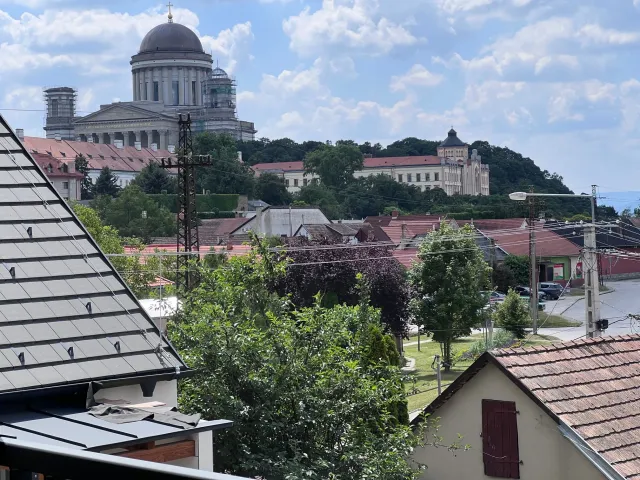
{"x":149,"y":138}
{"x":133,"y":85}
{"x":100,"y":137}
{"x":165,"y":86}
{"x":149,"y":78}
{"x":199,"y":86}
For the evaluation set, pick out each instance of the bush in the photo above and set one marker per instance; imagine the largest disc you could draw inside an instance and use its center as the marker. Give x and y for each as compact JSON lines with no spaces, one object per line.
{"x":512,"y":315}
{"x":501,"y":339}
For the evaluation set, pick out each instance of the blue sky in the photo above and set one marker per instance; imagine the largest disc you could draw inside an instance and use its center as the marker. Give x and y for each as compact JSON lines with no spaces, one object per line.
{"x":556,"y":80}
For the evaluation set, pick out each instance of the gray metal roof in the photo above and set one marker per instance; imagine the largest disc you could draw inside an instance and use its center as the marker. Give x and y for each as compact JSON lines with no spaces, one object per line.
{"x":66,"y":316}
{"x":75,"y":428}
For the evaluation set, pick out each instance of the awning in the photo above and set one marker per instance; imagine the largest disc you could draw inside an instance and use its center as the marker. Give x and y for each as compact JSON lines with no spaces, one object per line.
{"x":77,"y":428}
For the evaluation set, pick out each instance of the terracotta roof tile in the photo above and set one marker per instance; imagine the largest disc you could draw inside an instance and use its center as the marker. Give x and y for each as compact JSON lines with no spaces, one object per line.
{"x":592,"y":385}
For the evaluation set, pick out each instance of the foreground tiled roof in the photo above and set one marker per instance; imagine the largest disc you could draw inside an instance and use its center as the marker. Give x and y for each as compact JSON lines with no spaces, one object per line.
{"x":66,"y":317}
{"x":494,"y":224}
{"x":592,"y":385}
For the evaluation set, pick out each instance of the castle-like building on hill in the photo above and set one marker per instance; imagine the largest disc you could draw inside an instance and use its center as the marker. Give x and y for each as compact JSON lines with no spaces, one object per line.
{"x":453,"y":170}
{"x":171,"y":74}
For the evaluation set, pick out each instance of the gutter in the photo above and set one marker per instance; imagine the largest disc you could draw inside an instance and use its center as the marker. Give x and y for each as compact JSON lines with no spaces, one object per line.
{"x":589,"y":453}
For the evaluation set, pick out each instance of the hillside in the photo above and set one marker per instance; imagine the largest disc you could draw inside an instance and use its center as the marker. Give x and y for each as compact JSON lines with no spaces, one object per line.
{"x":510,"y":171}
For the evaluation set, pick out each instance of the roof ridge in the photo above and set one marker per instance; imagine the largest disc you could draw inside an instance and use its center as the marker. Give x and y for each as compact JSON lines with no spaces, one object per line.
{"x":578,"y":343}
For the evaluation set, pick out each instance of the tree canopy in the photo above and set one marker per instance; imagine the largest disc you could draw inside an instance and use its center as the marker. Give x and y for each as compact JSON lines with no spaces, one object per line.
{"x":134,"y":214}
{"x":153,"y":179}
{"x":311,"y":390}
{"x":270,"y":188}
{"x":82,"y":167}
{"x":334,"y":165}
{"x":332,"y":271}
{"x":448,"y":280}
{"x":106,"y":184}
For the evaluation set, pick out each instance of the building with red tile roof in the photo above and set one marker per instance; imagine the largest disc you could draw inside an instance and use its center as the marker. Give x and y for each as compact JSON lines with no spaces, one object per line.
{"x":62,"y":175}
{"x":125,"y":162}
{"x":453,"y":170}
{"x":562,"y":411}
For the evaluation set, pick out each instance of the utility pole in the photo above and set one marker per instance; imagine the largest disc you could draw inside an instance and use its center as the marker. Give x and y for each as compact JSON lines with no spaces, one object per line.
{"x":533,"y":280}
{"x":187,"y":236}
{"x":436,"y":362}
{"x":591,"y":283}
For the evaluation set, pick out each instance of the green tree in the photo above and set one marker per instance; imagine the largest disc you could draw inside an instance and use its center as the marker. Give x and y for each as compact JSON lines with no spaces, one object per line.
{"x":135,"y":214}
{"x":270,"y":188}
{"x":106,"y":184}
{"x":320,"y":196}
{"x":448,"y":281}
{"x":82,"y":167}
{"x":153,"y":179}
{"x":306,"y":400}
{"x":226,"y":174}
{"x":512,"y":315}
{"x":519,"y":266}
{"x":334,"y":165}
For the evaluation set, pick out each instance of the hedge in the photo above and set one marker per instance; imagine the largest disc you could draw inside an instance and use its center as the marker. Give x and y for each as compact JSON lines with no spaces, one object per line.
{"x":204,"y":203}
{"x":216,"y":214}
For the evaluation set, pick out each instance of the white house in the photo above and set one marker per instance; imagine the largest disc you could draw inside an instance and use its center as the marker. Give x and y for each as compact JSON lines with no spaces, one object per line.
{"x":279,"y":221}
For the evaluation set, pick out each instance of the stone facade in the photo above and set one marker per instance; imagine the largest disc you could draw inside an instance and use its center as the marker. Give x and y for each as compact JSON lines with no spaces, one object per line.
{"x":169,"y":76}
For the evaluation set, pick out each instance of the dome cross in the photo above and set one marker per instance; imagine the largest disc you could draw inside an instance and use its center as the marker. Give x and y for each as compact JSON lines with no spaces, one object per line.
{"x":170,"y":16}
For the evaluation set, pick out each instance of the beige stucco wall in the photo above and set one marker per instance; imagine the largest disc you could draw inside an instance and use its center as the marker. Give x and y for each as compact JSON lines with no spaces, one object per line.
{"x":544,"y":452}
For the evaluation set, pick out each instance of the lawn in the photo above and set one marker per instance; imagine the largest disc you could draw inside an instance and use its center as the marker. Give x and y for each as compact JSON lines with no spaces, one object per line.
{"x":426,"y":381}
{"x":555,"y":321}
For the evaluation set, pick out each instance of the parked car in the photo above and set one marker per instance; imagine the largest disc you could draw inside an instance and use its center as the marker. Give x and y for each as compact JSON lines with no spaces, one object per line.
{"x":526,"y":292}
{"x":494,"y":297}
{"x":541,"y":304}
{"x":551,"y":290}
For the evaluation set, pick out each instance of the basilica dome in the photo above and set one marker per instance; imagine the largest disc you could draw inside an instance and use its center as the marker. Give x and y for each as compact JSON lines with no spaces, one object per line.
{"x":171,"y":37}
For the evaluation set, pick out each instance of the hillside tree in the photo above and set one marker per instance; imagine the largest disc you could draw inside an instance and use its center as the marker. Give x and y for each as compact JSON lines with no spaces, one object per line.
{"x":270,"y":188}
{"x":335,"y":165}
{"x":153,"y":179}
{"x":448,"y":280}
{"x":86,"y":187}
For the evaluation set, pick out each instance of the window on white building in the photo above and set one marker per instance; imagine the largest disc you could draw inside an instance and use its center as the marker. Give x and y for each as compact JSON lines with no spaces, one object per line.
{"x":436,"y":177}
{"x":295,"y":182}
{"x":305,"y":182}
{"x":408,"y":178}
{"x":286,"y":182}
{"x":427,"y":177}
{"x":65,"y":185}
{"x":400,"y":178}
{"x":418,"y":177}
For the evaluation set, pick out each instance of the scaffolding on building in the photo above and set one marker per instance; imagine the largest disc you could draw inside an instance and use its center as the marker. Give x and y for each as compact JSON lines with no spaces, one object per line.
{"x":218,"y":113}
{"x":60,"y":103}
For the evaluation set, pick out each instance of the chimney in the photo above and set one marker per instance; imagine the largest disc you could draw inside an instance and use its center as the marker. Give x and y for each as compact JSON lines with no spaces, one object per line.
{"x":90,"y":139}
{"x":368,"y":155}
{"x":394,"y":214}
{"x":403,"y":236}
{"x":118,"y":143}
{"x":171,"y":148}
{"x":58,"y":137}
{"x":138,"y":146}
{"x":240,"y":157}
{"x":154,"y":147}
{"x":20,"y":133}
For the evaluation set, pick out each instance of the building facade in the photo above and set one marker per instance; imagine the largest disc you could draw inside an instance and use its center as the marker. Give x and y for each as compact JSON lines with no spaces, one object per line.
{"x":63,"y":176}
{"x":170,"y":75}
{"x":453,"y":170}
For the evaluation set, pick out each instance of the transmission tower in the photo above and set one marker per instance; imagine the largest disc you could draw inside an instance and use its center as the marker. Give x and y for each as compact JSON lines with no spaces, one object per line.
{"x":187,"y":221}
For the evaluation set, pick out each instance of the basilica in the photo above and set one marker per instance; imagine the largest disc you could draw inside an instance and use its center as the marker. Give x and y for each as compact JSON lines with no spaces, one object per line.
{"x":171,"y":74}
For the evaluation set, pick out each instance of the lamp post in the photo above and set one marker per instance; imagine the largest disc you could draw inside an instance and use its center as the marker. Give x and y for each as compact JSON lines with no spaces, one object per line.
{"x":589,"y":259}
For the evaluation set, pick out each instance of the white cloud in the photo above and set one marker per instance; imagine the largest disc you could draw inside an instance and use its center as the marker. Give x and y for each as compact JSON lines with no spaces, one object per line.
{"x":456,"y":6}
{"x":19,"y":58}
{"x":417,"y":76}
{"x":231,"y":43}
{"x":345,"y":24}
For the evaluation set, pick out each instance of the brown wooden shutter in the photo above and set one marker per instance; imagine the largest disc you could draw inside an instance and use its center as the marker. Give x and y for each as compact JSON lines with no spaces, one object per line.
{"x":500,"y":453}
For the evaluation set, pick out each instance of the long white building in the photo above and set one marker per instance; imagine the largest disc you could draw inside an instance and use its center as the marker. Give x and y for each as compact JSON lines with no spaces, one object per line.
{"x":453,"y":170}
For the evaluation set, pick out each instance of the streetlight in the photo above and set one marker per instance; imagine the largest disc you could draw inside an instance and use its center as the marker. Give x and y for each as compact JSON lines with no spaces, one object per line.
{"x":522,"y":196}
{"x":589,"y":258}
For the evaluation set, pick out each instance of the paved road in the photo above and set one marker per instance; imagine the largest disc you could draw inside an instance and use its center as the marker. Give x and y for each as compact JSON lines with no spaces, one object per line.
{"x":614,"y":306}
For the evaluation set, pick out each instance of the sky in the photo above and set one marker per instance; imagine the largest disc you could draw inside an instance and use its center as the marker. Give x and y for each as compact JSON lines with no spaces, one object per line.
{"x":556,"y":80}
